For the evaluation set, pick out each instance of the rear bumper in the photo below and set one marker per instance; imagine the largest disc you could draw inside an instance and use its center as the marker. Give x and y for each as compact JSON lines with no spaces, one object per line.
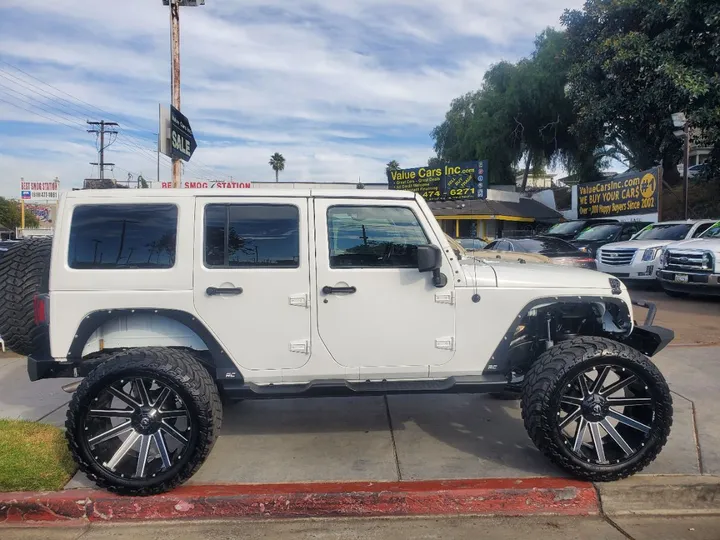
{"x":49,"y":368}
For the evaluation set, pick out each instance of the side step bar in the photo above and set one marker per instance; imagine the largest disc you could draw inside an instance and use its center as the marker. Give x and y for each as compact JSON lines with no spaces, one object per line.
{"x":340,"y":388}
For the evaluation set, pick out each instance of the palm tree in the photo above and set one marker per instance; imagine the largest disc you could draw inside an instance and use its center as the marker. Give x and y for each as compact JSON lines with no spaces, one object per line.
{"x":277,"y":162}
{"x":392,"y":166}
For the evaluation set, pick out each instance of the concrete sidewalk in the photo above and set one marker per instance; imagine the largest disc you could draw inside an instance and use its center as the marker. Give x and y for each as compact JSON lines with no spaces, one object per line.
{"x":420,"y":437}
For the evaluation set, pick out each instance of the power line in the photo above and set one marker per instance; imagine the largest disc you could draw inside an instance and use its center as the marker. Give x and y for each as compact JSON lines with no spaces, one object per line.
{"x":196,"y":164}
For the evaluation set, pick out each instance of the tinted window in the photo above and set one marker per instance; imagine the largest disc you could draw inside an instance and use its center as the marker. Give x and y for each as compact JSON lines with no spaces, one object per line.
{"x":600,"y":232}
{"x":252,"y":235}
{"x":543,"y":245}
{"x":123,"y":236}
{"x":570,"y":227}
{"x":665,"y":231}
{"x":701,"y":229}
{"x":374,"y":236}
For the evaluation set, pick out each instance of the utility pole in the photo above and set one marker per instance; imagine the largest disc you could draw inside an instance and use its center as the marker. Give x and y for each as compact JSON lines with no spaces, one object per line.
{"x":686,"y":166}
{"x":175,"y":71}
{"x":101,"y":131}
{"x":175,"y":51}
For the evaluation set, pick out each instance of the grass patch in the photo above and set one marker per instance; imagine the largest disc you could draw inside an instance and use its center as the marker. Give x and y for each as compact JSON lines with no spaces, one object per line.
{"x":33,"y":457}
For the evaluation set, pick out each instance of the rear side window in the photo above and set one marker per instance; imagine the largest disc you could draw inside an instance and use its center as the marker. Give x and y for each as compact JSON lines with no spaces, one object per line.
{"x":121,"y":236}
{"x":252,"y":235}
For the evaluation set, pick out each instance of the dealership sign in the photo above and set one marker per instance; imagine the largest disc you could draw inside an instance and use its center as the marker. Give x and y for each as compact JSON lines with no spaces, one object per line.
{"x":451,"y":181}
{"x":622,"y":195}
{"x":39,"y":191}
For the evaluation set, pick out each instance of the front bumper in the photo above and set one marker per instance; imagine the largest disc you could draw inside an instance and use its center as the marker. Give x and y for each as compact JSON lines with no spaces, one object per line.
{"x":698,"y":283}
{"x":640,"y":270}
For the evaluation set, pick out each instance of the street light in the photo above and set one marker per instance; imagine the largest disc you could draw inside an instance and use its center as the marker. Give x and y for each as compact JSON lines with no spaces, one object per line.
{"x":681,"y":121}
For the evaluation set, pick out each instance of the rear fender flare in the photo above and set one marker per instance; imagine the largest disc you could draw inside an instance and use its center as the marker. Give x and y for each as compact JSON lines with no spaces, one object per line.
{"x":225,"y":369}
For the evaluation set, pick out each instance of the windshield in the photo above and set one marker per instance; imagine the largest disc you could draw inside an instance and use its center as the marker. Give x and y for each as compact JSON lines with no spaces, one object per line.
{"x":543,"y":245}
{"x":664,"y":231}
{"x":472,"y":243}
{"x":601,"y":232}
{"x":712,"y":232}
{"x":570,"y":227}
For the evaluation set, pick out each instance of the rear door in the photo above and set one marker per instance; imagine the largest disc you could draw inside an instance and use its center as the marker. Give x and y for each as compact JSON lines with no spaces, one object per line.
{"x":375,"y":309}
{"x":252,"y":278}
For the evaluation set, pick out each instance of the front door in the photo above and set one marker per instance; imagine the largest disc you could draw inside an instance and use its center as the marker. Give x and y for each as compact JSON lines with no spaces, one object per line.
{"x":375,"y":309}
{"x":252,"y":278}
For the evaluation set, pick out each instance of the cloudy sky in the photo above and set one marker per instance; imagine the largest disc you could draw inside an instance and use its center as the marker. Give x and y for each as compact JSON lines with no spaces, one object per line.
{"x":338,"y":87}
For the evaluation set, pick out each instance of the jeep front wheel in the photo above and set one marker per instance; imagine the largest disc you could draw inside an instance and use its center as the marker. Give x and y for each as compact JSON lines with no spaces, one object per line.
{"x":144,"y":421}
{"x":597,"y":408}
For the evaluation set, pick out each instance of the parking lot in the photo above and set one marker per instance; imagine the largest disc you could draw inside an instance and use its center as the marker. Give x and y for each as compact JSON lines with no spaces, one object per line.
{"x":695,"y":319}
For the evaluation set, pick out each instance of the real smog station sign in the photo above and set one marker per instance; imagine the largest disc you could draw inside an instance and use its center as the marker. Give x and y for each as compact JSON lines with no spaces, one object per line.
{"x":627,"y":194}
{"x":451,"y":181}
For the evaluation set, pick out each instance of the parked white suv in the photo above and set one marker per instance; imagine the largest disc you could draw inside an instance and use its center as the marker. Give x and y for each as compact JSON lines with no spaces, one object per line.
{"x":692,"y":266}
{"x":639,"y":257}
{"x":166,"y":300}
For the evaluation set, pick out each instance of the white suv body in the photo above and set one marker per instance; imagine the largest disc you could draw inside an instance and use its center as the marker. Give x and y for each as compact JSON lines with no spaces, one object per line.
{"x":692,"y":266}
{"x":282,"y":328}
{"x":167,"y":300}
{"x":639,"y":258}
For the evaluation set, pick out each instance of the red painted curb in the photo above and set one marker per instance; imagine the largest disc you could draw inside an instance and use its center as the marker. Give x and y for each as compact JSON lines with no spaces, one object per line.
{"x":509,"y":497}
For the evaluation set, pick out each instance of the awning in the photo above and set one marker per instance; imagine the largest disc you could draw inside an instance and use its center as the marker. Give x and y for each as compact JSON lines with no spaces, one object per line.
{"x":527,"y":210}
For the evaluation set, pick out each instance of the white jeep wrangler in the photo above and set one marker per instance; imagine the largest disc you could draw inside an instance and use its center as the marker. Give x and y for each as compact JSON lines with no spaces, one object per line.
{"x":166,"y":301}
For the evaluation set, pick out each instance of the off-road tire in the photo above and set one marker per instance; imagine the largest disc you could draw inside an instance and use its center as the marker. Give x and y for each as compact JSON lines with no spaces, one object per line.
{"x":190,"y":379}
{"x":541,"y":391}
{"x":24,"y":273}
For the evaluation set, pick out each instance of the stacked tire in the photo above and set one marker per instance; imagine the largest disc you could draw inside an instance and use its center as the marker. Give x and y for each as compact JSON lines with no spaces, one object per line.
{"x":24,"y":273}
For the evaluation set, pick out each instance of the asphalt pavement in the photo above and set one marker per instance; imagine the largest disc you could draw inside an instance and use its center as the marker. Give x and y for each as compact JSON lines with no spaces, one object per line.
{"x":547,"y":528}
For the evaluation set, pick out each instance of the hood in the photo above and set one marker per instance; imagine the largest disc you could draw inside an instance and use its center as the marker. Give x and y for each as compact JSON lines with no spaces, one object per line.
{"x":704,"y":244}
{"x":547,"y":276}
{"x":638,"y":244}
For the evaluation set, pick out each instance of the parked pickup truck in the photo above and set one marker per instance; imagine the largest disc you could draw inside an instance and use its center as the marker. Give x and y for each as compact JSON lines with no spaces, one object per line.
{"x":692,"y":266}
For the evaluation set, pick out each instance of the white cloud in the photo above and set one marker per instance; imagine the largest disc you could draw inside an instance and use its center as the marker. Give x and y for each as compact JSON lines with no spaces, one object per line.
{"x":339,"y":88}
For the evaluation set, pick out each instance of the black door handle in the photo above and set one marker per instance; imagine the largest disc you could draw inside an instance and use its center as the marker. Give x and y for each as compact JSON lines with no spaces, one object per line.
{"x":334,"y":290}
{"x":223,"y":291}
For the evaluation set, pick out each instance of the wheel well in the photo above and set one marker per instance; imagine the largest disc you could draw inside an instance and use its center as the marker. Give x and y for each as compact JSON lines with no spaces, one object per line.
{"x":546,"y":322}
{"x":111,"y":330}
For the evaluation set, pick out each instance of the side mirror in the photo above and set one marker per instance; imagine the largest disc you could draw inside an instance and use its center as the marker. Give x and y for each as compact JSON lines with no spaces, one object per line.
{"x":429,"y":259}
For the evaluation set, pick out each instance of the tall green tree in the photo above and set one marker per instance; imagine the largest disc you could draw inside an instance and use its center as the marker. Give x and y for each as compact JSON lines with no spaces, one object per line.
{"x":10,"y":215}
{"x":633,"y":63}
{"x":520,"y":119}
{"x":392,"y":166}
{"x":277,"y":162}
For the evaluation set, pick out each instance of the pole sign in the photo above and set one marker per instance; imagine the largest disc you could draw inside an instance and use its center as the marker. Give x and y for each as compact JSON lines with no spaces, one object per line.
{"x":623,"y":195}
{"x":182,"y":140}
{"x":39,"y":191}
{"x":446,"y":182}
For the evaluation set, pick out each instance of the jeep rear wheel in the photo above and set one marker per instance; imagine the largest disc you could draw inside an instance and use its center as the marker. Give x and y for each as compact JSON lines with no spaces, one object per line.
{"x":597,"y":408}
{"x":144,"y":421}
{"x":24,"y":273}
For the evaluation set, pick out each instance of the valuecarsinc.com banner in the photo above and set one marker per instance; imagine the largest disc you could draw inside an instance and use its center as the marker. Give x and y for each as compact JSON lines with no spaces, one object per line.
{"x":627,"y":194}
{"x":451,"y":181}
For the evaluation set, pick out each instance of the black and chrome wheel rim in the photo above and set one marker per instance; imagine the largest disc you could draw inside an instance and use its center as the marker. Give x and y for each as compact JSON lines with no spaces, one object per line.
{"x":138,"y":428}
{"x":606,"y":415}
